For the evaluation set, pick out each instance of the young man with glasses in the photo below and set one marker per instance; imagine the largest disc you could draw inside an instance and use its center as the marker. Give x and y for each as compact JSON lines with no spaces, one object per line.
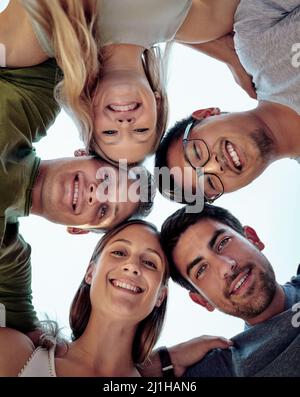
{"x":233,"y":149}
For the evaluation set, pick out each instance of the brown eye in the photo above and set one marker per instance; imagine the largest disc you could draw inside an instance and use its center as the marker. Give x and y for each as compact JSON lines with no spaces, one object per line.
{"x":201,"y":270}
{"x":149,"y":264}
{"x":103,"y":211}
{"x":223,"y":243}
{"x":118,"y":253}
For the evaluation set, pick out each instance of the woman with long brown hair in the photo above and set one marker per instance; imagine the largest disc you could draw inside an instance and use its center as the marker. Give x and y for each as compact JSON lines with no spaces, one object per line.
{"x":116,"y":316}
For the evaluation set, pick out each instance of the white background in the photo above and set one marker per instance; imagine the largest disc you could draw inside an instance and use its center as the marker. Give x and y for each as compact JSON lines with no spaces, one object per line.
{"x":269,"y":204}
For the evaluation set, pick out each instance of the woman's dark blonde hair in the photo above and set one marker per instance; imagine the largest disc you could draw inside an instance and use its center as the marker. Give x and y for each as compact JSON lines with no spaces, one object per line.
{"x":74,"y":32}
{"x":72,"y":28}
{"x":148,"y":330}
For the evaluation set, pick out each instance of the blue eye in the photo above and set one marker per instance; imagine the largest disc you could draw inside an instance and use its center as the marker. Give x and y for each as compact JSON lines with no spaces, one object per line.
{"x":141,"y":130}
{"x":109,"y":132}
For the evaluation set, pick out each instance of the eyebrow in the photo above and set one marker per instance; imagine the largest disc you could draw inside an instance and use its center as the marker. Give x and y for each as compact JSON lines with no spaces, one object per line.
{"x":211,"y":244}
{"x":117,"y":208}
{"x":122,"y":240}
{"x":154,"y":252}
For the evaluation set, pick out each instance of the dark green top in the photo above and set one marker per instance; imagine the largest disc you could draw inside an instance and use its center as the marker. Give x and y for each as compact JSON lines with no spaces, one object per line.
{"x":27,"y":109}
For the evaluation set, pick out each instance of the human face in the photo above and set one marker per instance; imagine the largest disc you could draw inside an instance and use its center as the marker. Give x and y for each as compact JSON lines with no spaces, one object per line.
{"x":239,"y":150}
{"x":70,"y":193}
{"x":227,"y":269}
{"x":129,"y":273}
{"x":125,"y":117}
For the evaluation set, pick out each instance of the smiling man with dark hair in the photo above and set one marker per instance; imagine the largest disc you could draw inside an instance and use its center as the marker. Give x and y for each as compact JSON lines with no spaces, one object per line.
{"x":83,"y":193}
{"x":221,"y":264}
{"x":231,"y":150}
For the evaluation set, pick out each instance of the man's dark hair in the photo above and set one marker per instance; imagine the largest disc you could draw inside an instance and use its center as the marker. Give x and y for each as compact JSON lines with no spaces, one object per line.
{"x":174,"y":226}
{"x":173,"y":134}
{"x":172,"y":192}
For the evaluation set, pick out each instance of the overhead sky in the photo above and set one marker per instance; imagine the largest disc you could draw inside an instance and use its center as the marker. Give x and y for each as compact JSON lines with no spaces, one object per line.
{"x":269,"y":204}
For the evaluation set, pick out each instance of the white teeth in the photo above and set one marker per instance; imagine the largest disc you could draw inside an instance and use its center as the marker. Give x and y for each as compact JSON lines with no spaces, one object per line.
{"x":242,"y":280}
{"x":76,"y":192}
{"x":127,"y":286}
{"x":124,"y":108}
{"x":233,"y":155}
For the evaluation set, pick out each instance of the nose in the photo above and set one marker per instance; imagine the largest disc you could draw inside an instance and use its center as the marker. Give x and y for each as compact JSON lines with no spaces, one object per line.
{"x":125,"y":119}
{"x":214,"y":165}
{"x":131,"y":269}
{"x":226,"y":266}
{"x":91,"y":194}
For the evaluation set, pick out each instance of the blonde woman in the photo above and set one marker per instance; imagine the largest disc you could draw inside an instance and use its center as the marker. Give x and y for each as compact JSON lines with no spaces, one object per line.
{"x":113,"y":81}
{"x":116,"y":316}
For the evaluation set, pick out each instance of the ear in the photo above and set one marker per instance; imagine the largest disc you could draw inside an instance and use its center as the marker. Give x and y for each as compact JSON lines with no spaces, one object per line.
{"x":157,"y":98}
{"x":80,"y":153}
{"x":162,"y":296}
{"x":89,"y":273}
{"x":197,"y":298}
{"x":77,"y":230}
{"x":203,"y":113}
{"x":252,"y":236}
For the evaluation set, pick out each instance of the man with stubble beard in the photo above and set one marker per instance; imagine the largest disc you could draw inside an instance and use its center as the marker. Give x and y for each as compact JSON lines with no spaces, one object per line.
{"x":221,"y":264}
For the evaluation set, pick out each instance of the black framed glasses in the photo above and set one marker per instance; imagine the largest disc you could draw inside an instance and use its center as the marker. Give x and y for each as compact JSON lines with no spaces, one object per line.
{"x":197,"y":154}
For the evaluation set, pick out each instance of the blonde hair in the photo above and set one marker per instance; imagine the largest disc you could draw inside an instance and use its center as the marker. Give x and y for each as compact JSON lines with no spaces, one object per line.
{"x":155,"y":66}
{"x":74,"y":32}
{"x":72,"y":28}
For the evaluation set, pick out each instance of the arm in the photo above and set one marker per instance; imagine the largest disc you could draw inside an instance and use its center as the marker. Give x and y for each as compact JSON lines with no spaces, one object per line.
{"x":185,"y":354}
{"x":223,"y":50}
{"x":15,"y":349}
{"x":207,"y":20}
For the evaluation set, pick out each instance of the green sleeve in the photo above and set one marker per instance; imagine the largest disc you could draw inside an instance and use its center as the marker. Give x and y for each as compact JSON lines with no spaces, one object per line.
{"x":28,"y":95}
{"x":15,"y":281}
{"x":27,"y":109}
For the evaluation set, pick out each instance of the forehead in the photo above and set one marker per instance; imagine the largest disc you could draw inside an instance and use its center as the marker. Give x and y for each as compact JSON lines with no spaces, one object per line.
{"x":141,"y":235}
{"x":216,"y":126}
{"x":196,"y":239}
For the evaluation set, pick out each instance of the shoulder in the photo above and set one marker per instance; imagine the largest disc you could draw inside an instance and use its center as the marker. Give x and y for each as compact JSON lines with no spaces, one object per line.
{"x":295,"y":281}
{"x":15,"y":349}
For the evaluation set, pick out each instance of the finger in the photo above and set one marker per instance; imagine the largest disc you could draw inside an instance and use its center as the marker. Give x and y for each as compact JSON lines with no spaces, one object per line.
{"x":218,"y":343}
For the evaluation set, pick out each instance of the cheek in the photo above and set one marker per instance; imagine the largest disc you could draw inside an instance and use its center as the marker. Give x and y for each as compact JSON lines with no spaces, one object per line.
{"x":237,"y":182}
{"x":154,"y":284}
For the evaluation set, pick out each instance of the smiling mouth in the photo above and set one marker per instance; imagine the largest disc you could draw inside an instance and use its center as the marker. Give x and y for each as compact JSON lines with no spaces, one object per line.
{"x":129,"y":107}
{"x":134,"y":289}
{"x":241,"y":282}
{"x":233,"y":155}
{"x":75,"y":193}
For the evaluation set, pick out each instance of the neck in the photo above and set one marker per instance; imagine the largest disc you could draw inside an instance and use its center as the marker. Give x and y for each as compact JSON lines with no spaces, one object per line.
{"x":275,"y":307}
{"x":283,"y":124}
{"x":123,"y":57}
{"x":105,"y":348}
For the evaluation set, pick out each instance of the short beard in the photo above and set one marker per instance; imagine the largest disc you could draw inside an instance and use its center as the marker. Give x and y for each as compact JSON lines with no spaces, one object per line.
{"x":260,"y":296}
{"x":264,"y":143}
